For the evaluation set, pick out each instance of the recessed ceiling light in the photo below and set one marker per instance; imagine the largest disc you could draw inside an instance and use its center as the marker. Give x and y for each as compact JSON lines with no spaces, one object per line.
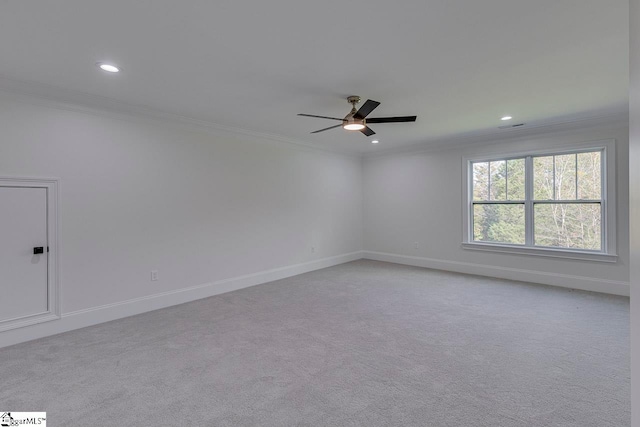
{"x":110,"y":68}
{"x":375,"y":141}
{"x":506,"y":118}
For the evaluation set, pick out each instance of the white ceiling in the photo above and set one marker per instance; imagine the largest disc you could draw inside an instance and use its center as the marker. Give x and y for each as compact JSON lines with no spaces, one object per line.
{"x":459,"y":65}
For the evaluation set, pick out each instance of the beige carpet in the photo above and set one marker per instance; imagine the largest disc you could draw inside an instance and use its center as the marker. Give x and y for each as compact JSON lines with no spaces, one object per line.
{"x":360,"y":344}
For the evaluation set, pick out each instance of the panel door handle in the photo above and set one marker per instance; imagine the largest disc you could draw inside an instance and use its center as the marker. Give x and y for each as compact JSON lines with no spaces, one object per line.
{"x":38,"y":250}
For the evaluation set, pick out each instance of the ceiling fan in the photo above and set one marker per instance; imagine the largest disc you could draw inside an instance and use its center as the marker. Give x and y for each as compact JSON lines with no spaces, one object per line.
{"x":356,"y":119}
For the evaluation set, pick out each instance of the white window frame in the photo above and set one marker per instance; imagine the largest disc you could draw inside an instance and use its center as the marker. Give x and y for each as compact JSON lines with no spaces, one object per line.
{"x":608,"y":164}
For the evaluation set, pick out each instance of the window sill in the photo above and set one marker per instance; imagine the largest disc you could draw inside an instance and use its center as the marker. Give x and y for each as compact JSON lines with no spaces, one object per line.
{"x":543,"y":252}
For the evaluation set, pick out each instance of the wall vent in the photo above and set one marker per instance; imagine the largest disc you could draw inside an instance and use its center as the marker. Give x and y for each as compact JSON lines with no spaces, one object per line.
{"x":512,"y":126}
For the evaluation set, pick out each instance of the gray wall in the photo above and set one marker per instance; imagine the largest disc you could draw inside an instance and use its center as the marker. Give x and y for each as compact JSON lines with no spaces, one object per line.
{"x":416,"y":197}
{"x":139,"y":195}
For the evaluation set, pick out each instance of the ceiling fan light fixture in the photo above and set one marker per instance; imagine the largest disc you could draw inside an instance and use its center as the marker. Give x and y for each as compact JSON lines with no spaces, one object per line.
{"x":353,"y":124}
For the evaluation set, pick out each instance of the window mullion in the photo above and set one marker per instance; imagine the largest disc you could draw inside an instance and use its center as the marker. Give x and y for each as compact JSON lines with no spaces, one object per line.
{"x":489,"y":181}
{"x":554,"y":178}
{"x":506,"y":179}
{"x":470,"y":207}
{"x":604,"y":244}
{"x":576,"y":168}
{"x":528,"y":197}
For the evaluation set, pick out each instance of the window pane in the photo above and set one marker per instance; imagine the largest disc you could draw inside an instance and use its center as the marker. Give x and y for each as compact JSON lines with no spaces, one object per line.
{"x":481,"y":181}
{"x":515,"y":179}
{"x":498,"y":184}
{"x":499,"y":223}
{"x":543,"y":178}
{"x":566,"y":225}
{"x":589,"y":176}
{"x":565,"y":177}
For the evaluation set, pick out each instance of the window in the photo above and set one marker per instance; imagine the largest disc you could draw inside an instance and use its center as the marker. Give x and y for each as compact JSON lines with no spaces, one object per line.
{"x":539,"y":202}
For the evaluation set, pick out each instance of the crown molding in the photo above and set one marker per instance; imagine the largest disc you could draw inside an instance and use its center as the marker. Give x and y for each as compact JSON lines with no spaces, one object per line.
{"x":496,"y":136}
{"x":69,"y":100}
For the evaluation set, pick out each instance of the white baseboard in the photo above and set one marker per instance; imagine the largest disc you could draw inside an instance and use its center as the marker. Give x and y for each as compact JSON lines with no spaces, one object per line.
{"x":563,"y":280}
{"x":95,"y":315}
{"x":105,"y":313}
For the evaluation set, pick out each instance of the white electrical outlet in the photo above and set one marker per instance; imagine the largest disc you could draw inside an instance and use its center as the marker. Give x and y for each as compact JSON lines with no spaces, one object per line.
{"x":313,"y":249}
{"x":416,"y":245}
{"x":154,"y":275}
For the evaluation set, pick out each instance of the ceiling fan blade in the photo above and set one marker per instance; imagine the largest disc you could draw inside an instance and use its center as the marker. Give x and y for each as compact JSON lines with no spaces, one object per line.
{"x":392,"y":119}
{"x":367,"y":108}
{"x":321,"y":117}
{"x":322,"y":130}
{"x":368,"y":131}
